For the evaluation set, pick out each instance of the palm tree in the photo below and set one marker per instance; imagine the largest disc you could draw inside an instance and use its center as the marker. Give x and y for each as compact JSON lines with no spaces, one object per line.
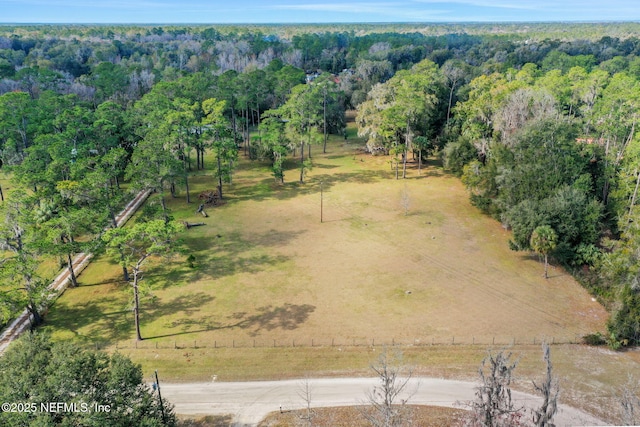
{"x":544,"y":240}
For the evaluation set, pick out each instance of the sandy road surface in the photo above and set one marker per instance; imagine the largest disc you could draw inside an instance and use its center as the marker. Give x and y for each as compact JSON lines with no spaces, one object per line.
{"x":250,"y":402}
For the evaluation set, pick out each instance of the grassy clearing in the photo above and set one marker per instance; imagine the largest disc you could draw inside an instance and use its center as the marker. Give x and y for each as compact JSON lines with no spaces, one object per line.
{"x":268,"y":271}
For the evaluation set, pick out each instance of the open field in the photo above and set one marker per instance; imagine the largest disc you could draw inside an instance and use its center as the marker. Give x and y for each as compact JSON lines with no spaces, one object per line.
{"x":267,"y":269}
{"x":269,"y":272}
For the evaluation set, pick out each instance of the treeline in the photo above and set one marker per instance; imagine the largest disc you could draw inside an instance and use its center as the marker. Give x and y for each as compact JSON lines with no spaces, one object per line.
{"x":541,"y":130}
{"x":121,"y":62}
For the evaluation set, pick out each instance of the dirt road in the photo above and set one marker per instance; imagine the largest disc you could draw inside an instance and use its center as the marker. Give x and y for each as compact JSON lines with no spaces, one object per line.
{"x":250,"y":402}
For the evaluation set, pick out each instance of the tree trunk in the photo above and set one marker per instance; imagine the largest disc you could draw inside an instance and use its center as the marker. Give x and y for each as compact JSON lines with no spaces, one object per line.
{"x":136,"y":303}
{"x":605,"y":186}
{"x":1,"y":194}
{"x":219,"y":176}
{"x":33,"y":310}
{"x":246,"y":135}
{"x":546,"y":266}
{"x":186,"y":164}
{"x":420,"y":162}
{"x":633,"y":198}
{"x":302,"y":162}
{"x":450,"y":101}
{"x":163,"y":203}
{"x":407,"y":147}
{"x":404,"y":164}
{"x":324,"y":121}
{"x":72,"y":274}
{"x":234,"y":125}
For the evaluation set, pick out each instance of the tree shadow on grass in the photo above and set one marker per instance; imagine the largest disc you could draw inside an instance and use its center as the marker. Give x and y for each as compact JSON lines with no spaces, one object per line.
{"x":266,"y":189}
{"x":108,"y":324}
{"x":324,"y":166}
{"x":187,"y":306}
{"x":221,"y":256}
{"x":286,"y":317}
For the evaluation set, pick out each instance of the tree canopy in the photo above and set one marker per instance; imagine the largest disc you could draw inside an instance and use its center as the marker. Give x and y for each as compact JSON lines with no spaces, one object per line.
{"x":97,"y":388}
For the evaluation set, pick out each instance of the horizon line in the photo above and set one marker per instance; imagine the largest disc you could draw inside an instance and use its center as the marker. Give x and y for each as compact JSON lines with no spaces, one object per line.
{"x":332,"y":23}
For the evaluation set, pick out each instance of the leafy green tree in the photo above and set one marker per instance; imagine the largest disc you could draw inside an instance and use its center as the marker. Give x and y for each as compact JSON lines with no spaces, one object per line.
{"x":543,"y":241}
{"x":16,"y":132}
{"x":401,"y":109}
{"x":110,"y":128}
{"x":180,"y":137}
{"x":455,"y":73}
{"x":457,"y":154}
{"x":63,"y":225}
{"x":152,"y":168}
{"x":217,"y":127}
{"x":301,"y":120}
{"x":573,"y":215}
{"x":331,"y":107}
{"x":110,"y":81}
{"x":35,"y":370}
{"x":615,"y":115}
{"x":153,"y":165}
{"x":286,"y":78}
{"x":133,"y":246}
{"x":274,"y":144}
{"x":19,"y":262}
{"x":624,"y":323}
{"x":620,"y":268}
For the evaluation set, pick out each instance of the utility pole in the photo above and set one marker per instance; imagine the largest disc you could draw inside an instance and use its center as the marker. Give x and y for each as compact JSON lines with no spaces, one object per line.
{"x":164,"y":418}
{"x":321,"y":199}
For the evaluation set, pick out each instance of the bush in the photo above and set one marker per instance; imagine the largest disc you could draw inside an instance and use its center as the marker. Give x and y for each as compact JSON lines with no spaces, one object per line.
{"x":594,"y":339}
{"x":457,"y":154}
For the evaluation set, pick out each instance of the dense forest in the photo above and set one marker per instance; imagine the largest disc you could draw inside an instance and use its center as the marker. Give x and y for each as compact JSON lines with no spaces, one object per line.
{"x":539,"y":121}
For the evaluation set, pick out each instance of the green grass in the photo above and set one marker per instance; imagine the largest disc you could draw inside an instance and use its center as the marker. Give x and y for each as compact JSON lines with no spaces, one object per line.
{"x":266,"y":270}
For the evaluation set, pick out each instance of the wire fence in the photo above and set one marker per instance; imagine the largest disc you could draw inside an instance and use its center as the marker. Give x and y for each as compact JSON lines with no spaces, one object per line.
{"x":499,"y":341}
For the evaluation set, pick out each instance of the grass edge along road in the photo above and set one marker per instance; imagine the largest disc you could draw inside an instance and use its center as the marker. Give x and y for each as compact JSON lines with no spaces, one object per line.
{"x":590,"y":377}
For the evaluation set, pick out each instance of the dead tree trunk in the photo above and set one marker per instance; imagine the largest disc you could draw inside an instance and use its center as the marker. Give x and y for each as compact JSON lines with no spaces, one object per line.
{"x":543,"y":416}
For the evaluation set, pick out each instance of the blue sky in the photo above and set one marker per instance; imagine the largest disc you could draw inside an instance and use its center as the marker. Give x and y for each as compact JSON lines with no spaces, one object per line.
{"x":313,"y":11}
